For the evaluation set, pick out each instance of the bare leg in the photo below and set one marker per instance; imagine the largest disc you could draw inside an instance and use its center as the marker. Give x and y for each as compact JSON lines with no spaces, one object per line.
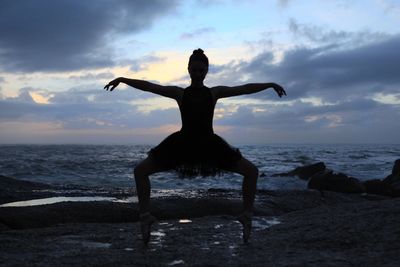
{"x":141,"y":173}
{"x":249,"y":185}
{"x":249,"y":188}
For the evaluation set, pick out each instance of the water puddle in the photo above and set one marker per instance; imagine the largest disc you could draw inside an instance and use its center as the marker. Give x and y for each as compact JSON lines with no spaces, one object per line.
{"x":133,"y":199}
{"x":185,"y":221}
{"x":158,"y":233}
{"x":90,"y":244}
{"x":176,"y":262}
{"x":157,"y":237}
{"x":52,"y":200}
{"x":262,"y":223}
{"x":76,"y":241}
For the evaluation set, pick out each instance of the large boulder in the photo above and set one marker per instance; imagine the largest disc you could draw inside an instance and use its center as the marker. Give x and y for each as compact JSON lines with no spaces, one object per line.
{"x":377,"y":187}
{"x":395,"y":189}
{"x":8,"y":183}
{"x":394,"y":179}
{"x":305,"y":172}
{"x":12,"y":189}
{"x":338,"y":182}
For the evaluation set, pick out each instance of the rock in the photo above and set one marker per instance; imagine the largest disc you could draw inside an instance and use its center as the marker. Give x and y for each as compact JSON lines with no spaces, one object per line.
{"x":330,"y":181}
{"x":349,"y":233}
{"x":395,"y":189}
{"x":8,"y":183}
{"x":3,"y":227}
{"x":12,"y":189}
{"x":394,"y":177}
{"x":67,"y":212}
{"x":214,"y":202}
{"x":378,"y":187}
{"x":305,"y":172}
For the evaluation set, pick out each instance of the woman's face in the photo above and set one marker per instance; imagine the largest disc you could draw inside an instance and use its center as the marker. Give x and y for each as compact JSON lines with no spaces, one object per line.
{"x":198,"y":70}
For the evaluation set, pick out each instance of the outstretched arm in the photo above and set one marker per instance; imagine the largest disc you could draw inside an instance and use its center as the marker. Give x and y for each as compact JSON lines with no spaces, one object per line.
{"x":250,"y":88}
{"x":174,"y":92}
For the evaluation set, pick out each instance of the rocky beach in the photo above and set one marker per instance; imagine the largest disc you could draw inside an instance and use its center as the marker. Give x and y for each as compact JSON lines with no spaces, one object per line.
{"x":315,"y":227}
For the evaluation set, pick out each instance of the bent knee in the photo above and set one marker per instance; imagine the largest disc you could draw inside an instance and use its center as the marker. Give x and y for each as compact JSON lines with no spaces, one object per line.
{"x":145,"y":168}
{"x":250,"y":170}
{"x":141,"y":170}
{"x":253,"y":171}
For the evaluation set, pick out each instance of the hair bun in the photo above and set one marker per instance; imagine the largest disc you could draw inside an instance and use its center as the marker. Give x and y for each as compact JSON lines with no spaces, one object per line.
{"x":198,"y":55}
{"x":198,"y":51}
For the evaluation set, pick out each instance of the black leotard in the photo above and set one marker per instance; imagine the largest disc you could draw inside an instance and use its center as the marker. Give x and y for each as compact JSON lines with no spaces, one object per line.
{"x":197,"y":111}
{"x":196,"y":149}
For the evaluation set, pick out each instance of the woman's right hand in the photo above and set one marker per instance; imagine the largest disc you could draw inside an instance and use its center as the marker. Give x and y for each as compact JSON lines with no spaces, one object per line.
{"x":114,"y":83}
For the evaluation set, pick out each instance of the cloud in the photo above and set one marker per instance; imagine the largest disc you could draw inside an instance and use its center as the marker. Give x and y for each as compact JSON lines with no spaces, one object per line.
{"x":142,"y":63}
{"x":69,"y":35}
{"x":357,"y":121}
{"x":320,"y":34}
{"x":336,"y":93}
{"x":283,"y":3}
{"x":196,"y":33}
{"x":390,"y":6}
{"x":87,"y":109}
{"x":92,"y":76}
{"x":326,"y":71}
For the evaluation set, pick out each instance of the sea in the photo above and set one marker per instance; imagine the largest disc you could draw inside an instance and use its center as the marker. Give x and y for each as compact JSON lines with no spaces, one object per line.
{"x":111,"y":166}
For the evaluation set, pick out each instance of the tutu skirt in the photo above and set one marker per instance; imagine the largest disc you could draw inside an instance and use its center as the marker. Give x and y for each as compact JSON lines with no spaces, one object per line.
{"x":206,"y":155}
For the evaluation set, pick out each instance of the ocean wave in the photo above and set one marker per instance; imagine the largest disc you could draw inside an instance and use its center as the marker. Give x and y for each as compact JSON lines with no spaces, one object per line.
{"x":97,"y":165}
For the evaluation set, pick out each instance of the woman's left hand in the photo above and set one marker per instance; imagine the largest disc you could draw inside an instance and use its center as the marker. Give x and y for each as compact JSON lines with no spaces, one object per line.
{"x":114,"y":83}
{"x":279,"y":89}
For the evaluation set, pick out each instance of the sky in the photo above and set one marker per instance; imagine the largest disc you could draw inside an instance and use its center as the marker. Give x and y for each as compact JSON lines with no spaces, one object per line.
{"x":338,"y":61}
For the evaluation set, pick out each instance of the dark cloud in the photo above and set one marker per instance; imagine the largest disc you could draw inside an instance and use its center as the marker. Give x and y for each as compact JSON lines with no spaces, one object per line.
{"x":352,"y":121}
{"x":51,"y":35}
{"x":326,"y":71}
{"x":344,"y":77}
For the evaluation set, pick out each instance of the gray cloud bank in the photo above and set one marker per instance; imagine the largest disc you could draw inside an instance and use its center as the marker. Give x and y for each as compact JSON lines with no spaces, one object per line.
{"x":49,"y":35}
{"x":346,"y":79}
{"x":327,"y":71}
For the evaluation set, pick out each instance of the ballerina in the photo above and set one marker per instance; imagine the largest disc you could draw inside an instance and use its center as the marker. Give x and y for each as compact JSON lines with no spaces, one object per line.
{"x":195,"y":149}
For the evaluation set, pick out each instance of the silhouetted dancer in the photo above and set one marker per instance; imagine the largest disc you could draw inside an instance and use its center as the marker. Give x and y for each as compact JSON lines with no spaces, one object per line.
{"x":196,"y":149}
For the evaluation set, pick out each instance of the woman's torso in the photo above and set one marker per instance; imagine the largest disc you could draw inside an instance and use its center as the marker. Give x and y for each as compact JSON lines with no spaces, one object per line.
{"x":197,"y":111}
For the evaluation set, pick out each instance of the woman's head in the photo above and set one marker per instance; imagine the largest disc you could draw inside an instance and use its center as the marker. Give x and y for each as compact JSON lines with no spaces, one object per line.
{"x":198,"y":65}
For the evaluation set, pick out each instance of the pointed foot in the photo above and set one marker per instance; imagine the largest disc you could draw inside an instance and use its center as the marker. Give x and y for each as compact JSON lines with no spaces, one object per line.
{"x":246,"y":220}
{"x":146,"y":220}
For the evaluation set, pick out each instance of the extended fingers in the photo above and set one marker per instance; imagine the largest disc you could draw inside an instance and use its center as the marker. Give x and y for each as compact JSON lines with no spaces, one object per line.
{"x":108,"y":86}
{"x":279,"y":89}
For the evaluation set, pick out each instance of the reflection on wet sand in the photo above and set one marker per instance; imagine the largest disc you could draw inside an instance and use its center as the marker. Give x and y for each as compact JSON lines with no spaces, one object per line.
{"x":52,"y":200}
